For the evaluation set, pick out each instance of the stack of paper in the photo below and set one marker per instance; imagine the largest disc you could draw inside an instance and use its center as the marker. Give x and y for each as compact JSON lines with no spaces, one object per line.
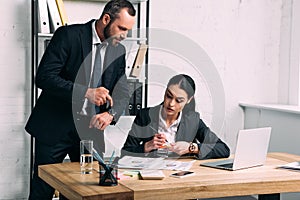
{"x":152,"y":174}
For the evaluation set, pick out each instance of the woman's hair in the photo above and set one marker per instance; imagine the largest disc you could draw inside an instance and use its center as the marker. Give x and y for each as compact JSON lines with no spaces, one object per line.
{"x":114,"y":7}
{"x":187,"y":84}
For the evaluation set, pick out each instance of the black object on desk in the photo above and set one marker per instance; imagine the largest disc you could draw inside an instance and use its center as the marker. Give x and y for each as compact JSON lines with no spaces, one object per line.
{"x":108,"y":173}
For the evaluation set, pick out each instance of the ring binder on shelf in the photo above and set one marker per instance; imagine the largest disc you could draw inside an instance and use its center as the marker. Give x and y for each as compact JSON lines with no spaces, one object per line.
{"x":136,"y":96}
{"x":54,"y":15}
{"x":43,"y":20}
{"x":138,"y":62}
{"x":62,"y":12}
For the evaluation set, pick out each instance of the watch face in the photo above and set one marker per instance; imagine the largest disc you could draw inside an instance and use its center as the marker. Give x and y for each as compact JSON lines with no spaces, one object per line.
{"x":192,"y":147}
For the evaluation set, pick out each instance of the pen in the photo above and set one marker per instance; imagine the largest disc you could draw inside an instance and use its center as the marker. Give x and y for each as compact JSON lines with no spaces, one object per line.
{"x":111,"y":157}
{"x":97,"y":156}
{"x":101,"y":161}
{"x":116,"y":160}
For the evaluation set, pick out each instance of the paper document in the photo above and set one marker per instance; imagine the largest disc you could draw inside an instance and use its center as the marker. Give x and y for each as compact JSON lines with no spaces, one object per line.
{"x":178,"y":165}
{"x":140,"y":162}
{"x":153,"y":163}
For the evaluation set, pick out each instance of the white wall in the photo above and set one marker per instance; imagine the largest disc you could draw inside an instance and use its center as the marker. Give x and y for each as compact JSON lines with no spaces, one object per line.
{"x":289,"y":54}
{"x":239,"y":38}
{"x":15,"y":98}
{"x":242,"y":40}
{"x":238,"y":43}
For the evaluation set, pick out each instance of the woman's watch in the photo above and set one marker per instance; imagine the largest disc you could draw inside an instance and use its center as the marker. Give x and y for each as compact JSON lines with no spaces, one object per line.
{"x":192,"y":147}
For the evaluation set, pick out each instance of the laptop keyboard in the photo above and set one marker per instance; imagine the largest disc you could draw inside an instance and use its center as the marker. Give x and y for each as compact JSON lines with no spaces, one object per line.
{"x":228,"y":165}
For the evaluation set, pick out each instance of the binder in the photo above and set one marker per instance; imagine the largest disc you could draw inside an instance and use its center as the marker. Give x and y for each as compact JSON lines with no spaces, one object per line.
{"x":138,"y":62}
{"x":131,"y":51}
{"x":43,"y":18}
{"x":54,"y":15}
{"x":62,"y":12}
{"x":130,"y":110}
{"x":136,"y":96}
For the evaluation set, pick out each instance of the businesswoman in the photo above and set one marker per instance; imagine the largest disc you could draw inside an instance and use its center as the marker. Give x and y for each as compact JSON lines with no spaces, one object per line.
{"x":176,"y":123}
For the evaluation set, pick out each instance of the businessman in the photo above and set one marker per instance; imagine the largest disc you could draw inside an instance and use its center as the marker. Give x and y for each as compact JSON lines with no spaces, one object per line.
{"x":84,"y":88}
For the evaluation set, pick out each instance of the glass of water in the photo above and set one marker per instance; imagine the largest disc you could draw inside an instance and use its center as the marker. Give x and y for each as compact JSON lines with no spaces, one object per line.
{"x":86,"y":158}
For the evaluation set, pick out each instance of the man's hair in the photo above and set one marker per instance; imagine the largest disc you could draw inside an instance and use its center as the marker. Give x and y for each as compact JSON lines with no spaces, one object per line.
{"x":114,"y":7}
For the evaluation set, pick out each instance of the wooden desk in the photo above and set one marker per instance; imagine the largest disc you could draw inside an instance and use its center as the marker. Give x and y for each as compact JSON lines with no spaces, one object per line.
{"x":207,"y":182}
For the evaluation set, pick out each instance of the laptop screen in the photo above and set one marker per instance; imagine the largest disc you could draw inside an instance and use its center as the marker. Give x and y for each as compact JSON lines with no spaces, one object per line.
{"x":252,"y":147}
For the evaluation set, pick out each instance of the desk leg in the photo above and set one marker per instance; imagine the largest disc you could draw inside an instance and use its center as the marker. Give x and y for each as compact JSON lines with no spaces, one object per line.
{"x":269,"y":197}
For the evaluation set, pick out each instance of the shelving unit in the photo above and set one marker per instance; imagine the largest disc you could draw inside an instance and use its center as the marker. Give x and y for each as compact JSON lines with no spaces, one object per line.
{"x":38,"y":42}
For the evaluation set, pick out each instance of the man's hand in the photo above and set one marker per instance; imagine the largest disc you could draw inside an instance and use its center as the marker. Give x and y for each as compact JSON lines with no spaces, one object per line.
{"x":101,"y":121}
{"x":99,"y":96}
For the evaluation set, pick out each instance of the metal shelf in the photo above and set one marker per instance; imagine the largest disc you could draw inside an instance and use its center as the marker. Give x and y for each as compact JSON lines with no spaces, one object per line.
{"x":132,"y":1}
{"x":49,"y":35}
{"x":45,"y":35}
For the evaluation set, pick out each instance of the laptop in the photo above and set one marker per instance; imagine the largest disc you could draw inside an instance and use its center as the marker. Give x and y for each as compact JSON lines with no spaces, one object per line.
{"x":251,"y":150}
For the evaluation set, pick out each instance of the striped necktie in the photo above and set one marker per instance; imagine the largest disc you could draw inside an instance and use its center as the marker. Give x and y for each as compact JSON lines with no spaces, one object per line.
{"x":97,"y":70}
{"x":95,"y":81}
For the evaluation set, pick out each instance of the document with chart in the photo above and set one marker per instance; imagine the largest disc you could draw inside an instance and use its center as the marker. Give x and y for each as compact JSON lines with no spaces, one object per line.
{"x":132,"y":162}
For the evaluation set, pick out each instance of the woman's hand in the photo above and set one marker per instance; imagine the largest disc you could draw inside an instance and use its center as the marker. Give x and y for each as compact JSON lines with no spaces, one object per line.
{"x":158,"y":140}
{"x":180,"y":147}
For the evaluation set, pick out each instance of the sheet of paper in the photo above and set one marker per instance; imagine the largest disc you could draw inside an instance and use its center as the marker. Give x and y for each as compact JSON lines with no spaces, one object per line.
{"x":178,"y":165}
{"x":153,"y":163}
{"x":140,"y":162}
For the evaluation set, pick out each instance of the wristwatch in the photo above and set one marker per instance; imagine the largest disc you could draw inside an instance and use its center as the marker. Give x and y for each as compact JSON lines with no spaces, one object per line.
{"x":112,"y":112}
{"x":192,"y":147}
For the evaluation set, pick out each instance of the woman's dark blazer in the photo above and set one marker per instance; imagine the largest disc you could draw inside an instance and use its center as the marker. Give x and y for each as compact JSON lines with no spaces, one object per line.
{"x":191,"y":129}
{"x":63,"y":75}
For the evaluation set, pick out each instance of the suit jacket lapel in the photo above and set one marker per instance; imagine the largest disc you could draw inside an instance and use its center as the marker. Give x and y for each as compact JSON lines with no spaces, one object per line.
{"x":188,"y":127}
{"x":86,"y":44}
{"x":154,"y":117}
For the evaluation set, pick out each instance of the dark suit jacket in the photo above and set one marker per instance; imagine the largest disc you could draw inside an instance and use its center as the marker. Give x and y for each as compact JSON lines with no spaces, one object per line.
{"x":63,"y":75}
{"x":191,"y":129}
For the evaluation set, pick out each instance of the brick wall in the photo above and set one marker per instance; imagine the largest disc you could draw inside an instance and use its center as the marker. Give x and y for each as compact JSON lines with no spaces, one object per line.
{"x":15,"y":71}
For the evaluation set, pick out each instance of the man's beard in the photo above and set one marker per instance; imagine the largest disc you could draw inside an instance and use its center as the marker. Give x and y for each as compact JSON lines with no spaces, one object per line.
{"x":106,"y":32}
